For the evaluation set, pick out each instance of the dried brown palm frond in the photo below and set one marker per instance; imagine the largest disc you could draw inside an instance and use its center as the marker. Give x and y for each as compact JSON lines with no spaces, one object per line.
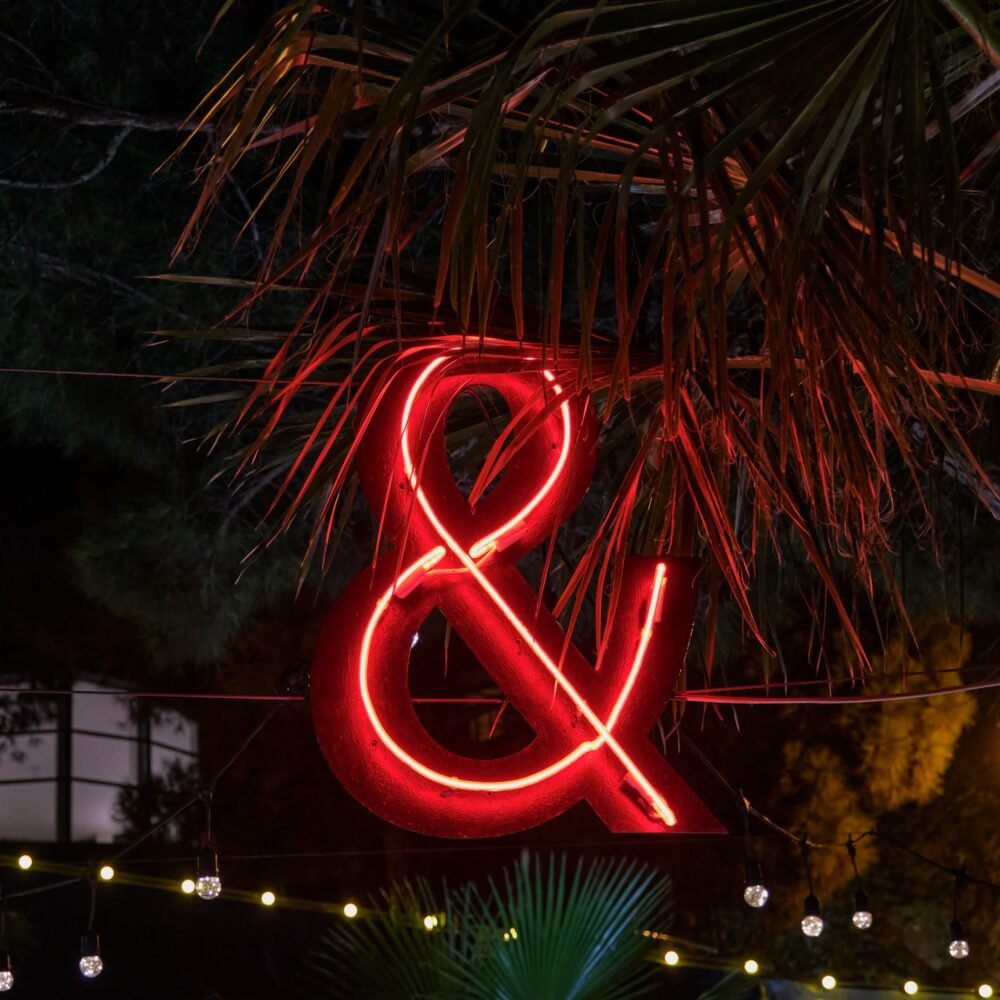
{"x":739,"y":225}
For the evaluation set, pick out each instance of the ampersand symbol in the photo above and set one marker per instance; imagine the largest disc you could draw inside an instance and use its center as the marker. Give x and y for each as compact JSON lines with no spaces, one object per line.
{"x":592,"y":726}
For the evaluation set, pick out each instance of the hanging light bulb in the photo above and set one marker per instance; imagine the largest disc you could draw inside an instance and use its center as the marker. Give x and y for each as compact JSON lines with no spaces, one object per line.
{"x":755,"y":893}
{"x":985,"y":991}
{"x":828,"y":982}
{"x":25,"y":861}
{"x":812,"y":920}
{"x":207,"y":882}
{"x":751,"y":967}
{"x":910,"y":988}
{"x":862,"y":916}
{"x":959,"y":946}
{"x":6,"y":969}
{"x":91,"y":965}
{"x":350,"y":910}
{"x":671,"y":958}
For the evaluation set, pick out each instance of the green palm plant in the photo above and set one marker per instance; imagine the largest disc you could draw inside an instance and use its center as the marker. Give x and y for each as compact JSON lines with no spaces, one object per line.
{"x":739,"y":225}
{"x":547,"y":930}
{"x":388,"y":952}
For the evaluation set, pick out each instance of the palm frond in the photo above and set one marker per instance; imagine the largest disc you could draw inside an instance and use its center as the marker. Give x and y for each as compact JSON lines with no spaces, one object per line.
{"x":550,"y":930}
{"x":776,"y":180}
{"x":387,"y":953}
{"x":571,"y":932}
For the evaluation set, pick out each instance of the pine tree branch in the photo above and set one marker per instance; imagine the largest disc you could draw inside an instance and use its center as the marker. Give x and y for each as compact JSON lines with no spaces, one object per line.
{"x":90,"y":276}
{"x":80,"y":113}
{"x":70,"y":182}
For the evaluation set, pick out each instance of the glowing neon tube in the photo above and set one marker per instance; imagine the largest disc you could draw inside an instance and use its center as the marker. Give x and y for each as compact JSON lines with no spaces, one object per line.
{"x":603,"y":731}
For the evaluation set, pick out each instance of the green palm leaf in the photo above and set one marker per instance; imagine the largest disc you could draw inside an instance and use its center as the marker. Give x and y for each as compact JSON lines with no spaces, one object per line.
{"x":545,"y":931}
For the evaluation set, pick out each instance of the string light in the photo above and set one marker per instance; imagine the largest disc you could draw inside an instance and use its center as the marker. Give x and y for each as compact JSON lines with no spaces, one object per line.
{"x":862,"y":916}
{"x":812,"y":919}
{"x":208,"y":883}
{"x":958,"y":948}
{"x":6,"y":967}
{"x":755,"y":893}
{"x":91,"y":964}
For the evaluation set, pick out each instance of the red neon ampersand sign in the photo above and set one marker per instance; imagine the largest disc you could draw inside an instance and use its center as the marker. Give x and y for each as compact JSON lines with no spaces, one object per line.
{"x":591,"y":726}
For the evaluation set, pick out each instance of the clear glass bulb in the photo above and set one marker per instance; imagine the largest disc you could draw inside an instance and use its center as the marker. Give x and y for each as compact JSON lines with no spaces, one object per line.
{"x":812,"y":921}
{"x":208,"y":886}
{"x":6,"y":980}
{"x":755,"y":893}
{"x":207,"y":882}
{"x":959,"y":948}
{"x":91,"y":966}
{"x":862,"y":919}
